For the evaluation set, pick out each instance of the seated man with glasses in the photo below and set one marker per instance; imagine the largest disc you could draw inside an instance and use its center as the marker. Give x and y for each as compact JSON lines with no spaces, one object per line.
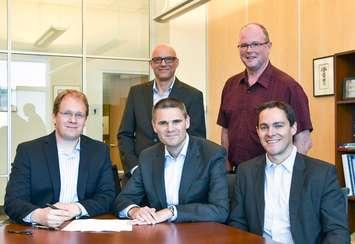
{"x":136,"y":132}
{"x":63,"y":175}
{"x":260,"y":82}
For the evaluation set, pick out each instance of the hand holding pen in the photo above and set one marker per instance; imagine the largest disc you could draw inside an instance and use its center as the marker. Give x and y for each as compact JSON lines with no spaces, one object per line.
{"x":52,"y":206}
{"x":51,"y":216}
{"x":73,"y":209}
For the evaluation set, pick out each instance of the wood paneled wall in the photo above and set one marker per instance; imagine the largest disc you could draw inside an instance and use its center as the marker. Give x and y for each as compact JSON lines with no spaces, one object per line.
{"x":300,"y":31}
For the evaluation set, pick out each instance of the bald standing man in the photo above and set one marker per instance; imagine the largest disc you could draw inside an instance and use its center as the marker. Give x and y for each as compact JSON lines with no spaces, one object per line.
{"x":136,"y":132}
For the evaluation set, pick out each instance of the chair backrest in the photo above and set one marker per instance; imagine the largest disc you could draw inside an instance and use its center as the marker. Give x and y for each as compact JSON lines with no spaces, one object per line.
{"x":231,"y":186}
{"x":345,"y":191}
{"x":116,"y":179}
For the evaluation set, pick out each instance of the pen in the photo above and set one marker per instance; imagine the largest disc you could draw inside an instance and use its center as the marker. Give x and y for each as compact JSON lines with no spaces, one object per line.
{"x":23,"y":232}
{"x":44,"y":227}
{"x":52,"y":206}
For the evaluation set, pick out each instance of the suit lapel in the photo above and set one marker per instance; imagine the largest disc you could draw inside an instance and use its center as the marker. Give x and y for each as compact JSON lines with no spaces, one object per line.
{"x":189,"y":170}
{"x":175,"y":90}
{"x":296,"y":188}
{"x":259,"y":189}
{"x":51,"y":154}
{"x":83,"y":167}
{"x":158,"y":175}
{"x":148,"y":99}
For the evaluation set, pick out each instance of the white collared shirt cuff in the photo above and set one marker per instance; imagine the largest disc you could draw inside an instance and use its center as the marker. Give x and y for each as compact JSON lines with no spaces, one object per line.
{"x":28,"y":218}
{"x":124,"y":213}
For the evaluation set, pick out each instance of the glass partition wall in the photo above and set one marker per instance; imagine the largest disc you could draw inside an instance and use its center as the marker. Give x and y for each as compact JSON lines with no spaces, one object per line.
{"x":4,"y":122}
{"x":97,"y":46}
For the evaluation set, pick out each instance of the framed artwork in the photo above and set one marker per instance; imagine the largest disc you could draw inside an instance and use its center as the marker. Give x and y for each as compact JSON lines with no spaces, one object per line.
{"x":349,"y":88}
{"x":323,"y":76}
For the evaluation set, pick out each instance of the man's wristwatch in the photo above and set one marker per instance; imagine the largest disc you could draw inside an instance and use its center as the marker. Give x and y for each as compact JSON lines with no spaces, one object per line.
{"x":80,"y":211}
{"x":172,"y":209}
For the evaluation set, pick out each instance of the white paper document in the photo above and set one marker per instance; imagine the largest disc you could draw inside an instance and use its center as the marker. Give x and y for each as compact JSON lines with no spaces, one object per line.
{"x":98,"y":225}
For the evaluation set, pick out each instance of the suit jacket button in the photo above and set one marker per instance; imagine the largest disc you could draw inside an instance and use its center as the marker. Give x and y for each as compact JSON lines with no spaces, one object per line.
{"x":155,"y":140}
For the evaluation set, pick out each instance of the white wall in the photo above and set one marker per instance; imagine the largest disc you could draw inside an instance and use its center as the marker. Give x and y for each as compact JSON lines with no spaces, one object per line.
{"x":188,"y":37}
{"x":187,"y":34}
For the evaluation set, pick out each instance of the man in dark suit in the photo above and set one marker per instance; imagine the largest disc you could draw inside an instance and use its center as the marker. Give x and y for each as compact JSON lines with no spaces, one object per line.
{"x":136,"y":133}
{"x":284,"y":195}
{"x":63,"y":175}
{"x":181,"y":179}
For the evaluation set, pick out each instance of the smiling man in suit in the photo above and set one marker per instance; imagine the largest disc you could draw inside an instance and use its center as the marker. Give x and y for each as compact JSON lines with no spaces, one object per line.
{"x":63,"y":175}
{"x":284,"y":195}
{"x":136,"y":132}
{"x":181,"y":179}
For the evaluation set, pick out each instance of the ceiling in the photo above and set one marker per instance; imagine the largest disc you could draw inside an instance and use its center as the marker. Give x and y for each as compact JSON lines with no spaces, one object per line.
{"x":112,"y":27}
{"x":113,"y":4}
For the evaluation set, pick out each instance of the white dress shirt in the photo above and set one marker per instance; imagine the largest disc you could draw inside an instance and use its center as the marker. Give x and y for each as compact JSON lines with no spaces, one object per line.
{"x":172,"y":173}
{"x":156,"y":96}
{"x":69,"y":170}
{"x":277,"y":193}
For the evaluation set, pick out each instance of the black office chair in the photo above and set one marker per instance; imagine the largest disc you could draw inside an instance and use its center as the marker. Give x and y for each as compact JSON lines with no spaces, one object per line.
{"x":231,"y":178}
{"x":345,"y":191}
{"x":116,"y":179}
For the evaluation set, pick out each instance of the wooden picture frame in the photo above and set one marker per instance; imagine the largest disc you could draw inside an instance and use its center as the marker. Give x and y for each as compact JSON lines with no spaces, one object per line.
{"x":323,"y":76}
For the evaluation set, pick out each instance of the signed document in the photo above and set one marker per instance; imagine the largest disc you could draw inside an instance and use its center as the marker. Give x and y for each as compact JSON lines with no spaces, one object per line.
{"x":99,"y":225}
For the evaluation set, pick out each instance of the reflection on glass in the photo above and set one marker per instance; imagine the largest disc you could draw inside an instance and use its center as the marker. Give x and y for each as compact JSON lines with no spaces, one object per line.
{"x":3,"y":24}
{"x":3,"y":182}
{"x":107,"y":89}
{"x":3,"y":83}
{"x":3,"y":115}
{"x":34,"y":90}
{"x":30,"y":73}
{"x":47,"y":26}
{"x":118,"y":28}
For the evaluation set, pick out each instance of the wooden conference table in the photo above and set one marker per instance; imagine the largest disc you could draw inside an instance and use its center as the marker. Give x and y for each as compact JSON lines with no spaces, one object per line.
{"x":167,"y":233}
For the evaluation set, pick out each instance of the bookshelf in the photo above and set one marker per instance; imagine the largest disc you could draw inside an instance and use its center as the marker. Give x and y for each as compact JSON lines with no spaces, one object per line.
{"x":344,"y":66}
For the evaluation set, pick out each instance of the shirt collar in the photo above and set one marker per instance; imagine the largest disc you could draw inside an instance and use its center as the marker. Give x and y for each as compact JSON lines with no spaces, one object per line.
{"x":76,"y":148}
{"x":264,"y":79}
{"x":183,"y":150}
{"x":155,"y":88}
{"x":287,"y":163}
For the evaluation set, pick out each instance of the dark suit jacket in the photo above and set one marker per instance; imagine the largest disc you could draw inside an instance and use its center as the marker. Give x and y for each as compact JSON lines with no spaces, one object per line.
{"x":136,"y":132}
{"x":316,"y":204}
{"x":203,"y":193}
{"x":35,"y":177}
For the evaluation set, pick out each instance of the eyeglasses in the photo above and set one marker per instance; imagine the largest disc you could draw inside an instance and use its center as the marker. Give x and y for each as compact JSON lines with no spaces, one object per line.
{"x":253,"y":45}
{"x":69,"y":115}
{"x":167,"y":60}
